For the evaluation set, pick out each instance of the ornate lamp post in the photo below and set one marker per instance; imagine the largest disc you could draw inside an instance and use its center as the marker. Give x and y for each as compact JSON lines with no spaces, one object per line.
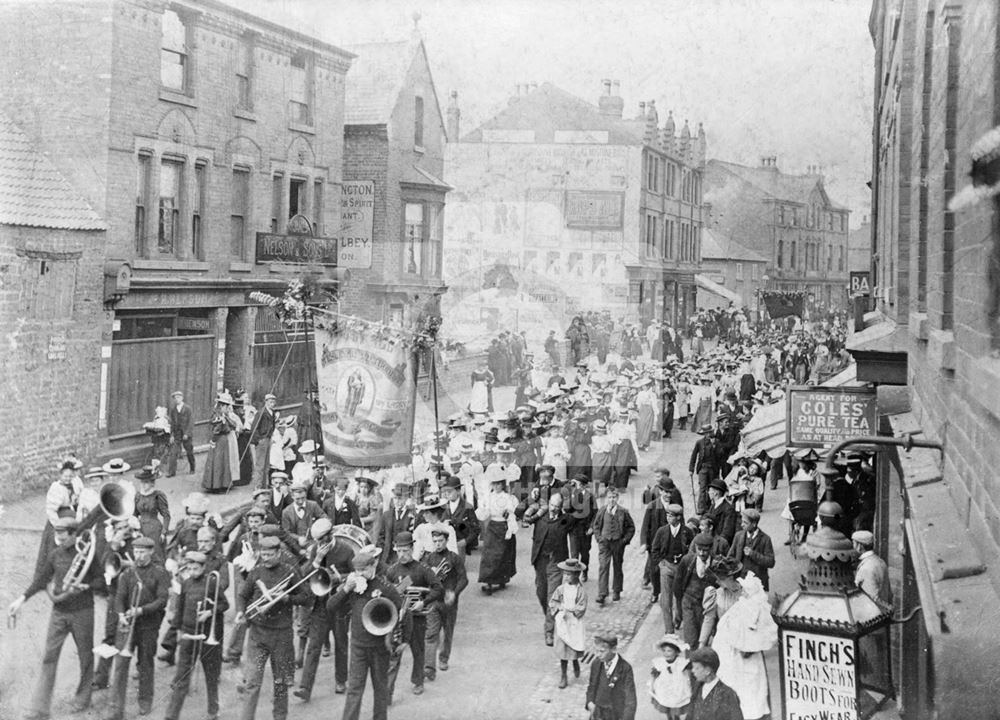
{"x":832,"y":637}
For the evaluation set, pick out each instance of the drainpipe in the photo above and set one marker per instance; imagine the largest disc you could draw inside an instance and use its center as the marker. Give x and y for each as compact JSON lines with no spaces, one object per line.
{"x":906,"y":442}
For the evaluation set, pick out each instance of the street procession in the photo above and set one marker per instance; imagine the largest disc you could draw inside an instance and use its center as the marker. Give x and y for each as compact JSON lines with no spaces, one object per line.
{"x":566,"y":361}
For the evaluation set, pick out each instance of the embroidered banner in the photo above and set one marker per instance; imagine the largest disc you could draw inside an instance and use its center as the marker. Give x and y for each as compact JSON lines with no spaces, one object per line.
{"x":367,"y":395}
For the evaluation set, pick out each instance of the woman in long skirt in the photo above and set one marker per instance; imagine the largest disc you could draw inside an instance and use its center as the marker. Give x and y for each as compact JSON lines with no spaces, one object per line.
{"x":645,"y":403}
{"x":153,"y":510}
{"x":481,"y":398}
{"x":499,"y":528}
{"x":222,"y":465}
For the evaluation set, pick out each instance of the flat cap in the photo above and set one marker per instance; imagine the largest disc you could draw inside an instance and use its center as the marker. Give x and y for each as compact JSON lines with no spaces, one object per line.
{"x":143,"y":542}
{"x":269,"y":542}
{"x":196,"y":556}
{"x":863,"y":537}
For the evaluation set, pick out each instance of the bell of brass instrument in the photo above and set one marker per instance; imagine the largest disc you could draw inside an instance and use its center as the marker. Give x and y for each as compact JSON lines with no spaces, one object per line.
{"x":113,"y":565}
{"x":321,"y":582}
{"x":379,"y":616}
{"x":273,"y":595}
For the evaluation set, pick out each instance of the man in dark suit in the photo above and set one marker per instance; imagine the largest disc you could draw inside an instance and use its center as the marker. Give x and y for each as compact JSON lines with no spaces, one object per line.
{"x":611,"y":690}
{"x":401,"y":517}
{"x":705,"y":464}
{"x":260,"y":438}
{"x":539,"y":494}
{"x":692,"y":577}
{"x":341,"y":509}
{"x":653,"y":519}
{"x":712,"y":699}
{"x":721,"y":512}
{"x":752,"y":547}
{"x":279,"y":498}
{"x":583,"y":509}
{"x":549,"y":547}
{"x":181,"y":429}
{"x":670,"y":544}
{"x":614,"y":528}
{"x":459,"y":514}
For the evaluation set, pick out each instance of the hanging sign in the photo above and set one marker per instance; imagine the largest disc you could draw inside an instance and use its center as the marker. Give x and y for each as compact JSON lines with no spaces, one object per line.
{"x":819,"y":676}
{"x":357,"y":224}
{"x":367,"y":395}
{"x":819,"y":416}
{"x":860,"y":285}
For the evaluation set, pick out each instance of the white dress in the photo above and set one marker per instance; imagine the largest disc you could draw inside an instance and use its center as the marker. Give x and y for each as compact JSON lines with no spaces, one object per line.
{"x":671,"y":688}
{"x":555,"y":453}
{"x":746,"y":628}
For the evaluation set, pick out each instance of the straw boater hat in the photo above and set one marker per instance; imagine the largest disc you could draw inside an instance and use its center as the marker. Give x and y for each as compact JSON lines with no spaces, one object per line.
{"x":116,"y":466}
{"x":573,"y":565}
{"x":307,"y":447}
{"x":224,"y":398}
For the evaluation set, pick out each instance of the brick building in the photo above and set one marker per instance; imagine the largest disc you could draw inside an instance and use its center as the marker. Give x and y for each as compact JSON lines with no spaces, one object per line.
{"x":787,"y":218}
{"x":51,"y":309}
{"x":394,"y":139}
{"x":859,"y":247}
{"x":935,"y":257}
{"x":562,"y":206}
{"x":189,"y":127}
{"x":733,"y":273}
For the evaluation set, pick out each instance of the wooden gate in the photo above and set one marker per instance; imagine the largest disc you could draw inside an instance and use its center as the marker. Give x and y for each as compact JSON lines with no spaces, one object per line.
{"x":144,"y":372}
{"x":281,"y":360}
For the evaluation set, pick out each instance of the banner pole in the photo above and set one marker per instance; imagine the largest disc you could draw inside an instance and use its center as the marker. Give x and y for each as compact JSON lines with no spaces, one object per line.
{"x":313,"y":382}
{"x":434,"y":389}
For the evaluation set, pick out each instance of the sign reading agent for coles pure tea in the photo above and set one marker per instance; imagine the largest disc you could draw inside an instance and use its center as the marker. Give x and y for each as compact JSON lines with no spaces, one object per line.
{"x":819,"y":677}
{"x":819,"y":416}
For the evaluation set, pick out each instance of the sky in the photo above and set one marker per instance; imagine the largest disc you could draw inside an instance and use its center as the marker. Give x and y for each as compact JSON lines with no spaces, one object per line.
{"x":785,"y":78}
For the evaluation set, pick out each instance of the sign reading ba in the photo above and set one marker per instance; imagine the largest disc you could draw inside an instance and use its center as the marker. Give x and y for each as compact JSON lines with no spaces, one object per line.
{"x":298,"y":247}
{"x":860,"y":285}
{"x":819,"y":416}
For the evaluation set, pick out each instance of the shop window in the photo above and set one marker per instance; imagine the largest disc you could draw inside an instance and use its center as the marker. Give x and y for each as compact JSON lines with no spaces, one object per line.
{"x":436,"y":238}
{"x":317,"y":208}
{"x":413,"y":248}
{"x":168,"y":230}
{"x":174,"y":59}
{"x":48,"y":288}
{"x":781,"y":252}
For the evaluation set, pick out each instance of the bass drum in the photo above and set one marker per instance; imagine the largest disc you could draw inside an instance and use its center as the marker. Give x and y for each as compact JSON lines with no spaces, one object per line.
{"x":352,"y":536}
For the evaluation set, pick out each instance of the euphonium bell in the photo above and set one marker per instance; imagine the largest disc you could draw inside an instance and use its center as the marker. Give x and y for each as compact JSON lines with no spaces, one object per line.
{"x":379,"y":616}
{"x":116,"y":501}
{"x":321,"y":583}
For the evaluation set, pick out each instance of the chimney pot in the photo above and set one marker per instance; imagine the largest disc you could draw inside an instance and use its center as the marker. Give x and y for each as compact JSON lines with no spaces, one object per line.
{"x":607,"y":86}
{"x":616,"y":86}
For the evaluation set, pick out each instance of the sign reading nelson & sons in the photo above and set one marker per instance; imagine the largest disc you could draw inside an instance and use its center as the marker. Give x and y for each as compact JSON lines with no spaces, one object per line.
{"x":819,"y":416}
{"x":300,"y":249}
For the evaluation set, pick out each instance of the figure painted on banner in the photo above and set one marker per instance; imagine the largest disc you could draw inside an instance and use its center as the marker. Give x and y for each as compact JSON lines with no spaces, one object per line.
{"x":355,"y":391}
{"x":481,"y":400}
{"x":222,"y":464}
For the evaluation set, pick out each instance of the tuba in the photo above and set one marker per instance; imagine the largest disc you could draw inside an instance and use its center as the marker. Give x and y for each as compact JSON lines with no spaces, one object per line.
{"x":379,"y":616}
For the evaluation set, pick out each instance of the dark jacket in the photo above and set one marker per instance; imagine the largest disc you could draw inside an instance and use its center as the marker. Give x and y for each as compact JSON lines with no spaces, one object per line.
{"x":347,"y":515}
{"x":621,"y":527}
{"x":617,"y":692}
{"x":723,"y":518}
{"x":294,"y":525}
{"x":456,"y":579}
{"x":653,"y":519}
{"x":152,"y":598}
{"x":687,"y":582}
{"x":279,"y":616}
{"x":263,"y":426}
{"x":392,"y":526}
{"x":704,"y":455}
{"x":666,"y":546}
{"x":376,"y":587}
{"x":722,"y":703}
{"x":550,"y":537}
{"x":760,"y":559}
{"x":180,"y":421}
{"x":463,"y":520}
{"x":193,"y":591}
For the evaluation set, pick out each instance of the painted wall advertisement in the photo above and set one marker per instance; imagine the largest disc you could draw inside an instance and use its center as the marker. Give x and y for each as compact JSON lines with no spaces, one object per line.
{"x":367,"y":395}
{"x":819,"y":416}
{"x":819,"y":677}
{"x":357,"y":224}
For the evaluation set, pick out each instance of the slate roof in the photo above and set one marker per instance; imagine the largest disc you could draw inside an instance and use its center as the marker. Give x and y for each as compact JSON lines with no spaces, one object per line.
{"x":33,"y":192}
{"x":548,"y":108}
{"x":779,"y":185}
{"x":715,"y":246}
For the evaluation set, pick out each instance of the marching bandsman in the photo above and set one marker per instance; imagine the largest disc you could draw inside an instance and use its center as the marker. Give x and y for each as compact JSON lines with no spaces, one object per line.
{"x":208,"y":544}
{"x":271,"y":628}
{"x":140,"y":602}
{"x":369,"y":653}
{"x":420,"y":576}
{"x":195,"y":618}
{"x":459,"y":514}
{"x":449,"y":568}
{"x":119,"y":536}
{"x":335,"y":557}
{"x":244,"y":553}
{"x":297,"y":519}
{"x":72,"y":613}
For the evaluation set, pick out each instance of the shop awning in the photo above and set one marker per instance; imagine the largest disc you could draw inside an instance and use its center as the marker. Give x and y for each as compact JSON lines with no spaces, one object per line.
{"x":716,"y":289}
{"x":766,"y":429}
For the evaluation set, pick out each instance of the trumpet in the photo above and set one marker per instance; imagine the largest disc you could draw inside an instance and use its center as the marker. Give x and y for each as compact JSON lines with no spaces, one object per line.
{"x":126,"y":650}
{"x":273,"y":595}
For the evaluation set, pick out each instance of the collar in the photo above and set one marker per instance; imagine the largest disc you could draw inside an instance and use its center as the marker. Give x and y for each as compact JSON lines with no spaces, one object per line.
{"x":719,"y":502}
{"x":707,"y":687}
{"x":866,"y":554}
{"x":609,"y":667}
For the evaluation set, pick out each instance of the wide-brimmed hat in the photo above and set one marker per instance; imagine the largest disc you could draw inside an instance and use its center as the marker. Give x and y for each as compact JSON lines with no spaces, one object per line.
{"x":705,"y":429}
{"x":365,"y":480}
{"x":196,"y":503}
{"x":503,"y":448}
{"x":95,"y":472}
{"x":224,"y":397}
{"x":307,"y":446}
{"x":726,"y":567}
{"x":432,"y":502}
{"x":572,"y":565}
{"x":147,"y":473}
{"x":116,"y":466}
{"x":674,"y":641}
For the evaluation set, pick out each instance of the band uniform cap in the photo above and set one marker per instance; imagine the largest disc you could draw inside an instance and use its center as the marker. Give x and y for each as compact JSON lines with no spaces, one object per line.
{"x":143,"y":542}
{"x":307,"y":446}
{"x":718,"y":484}
{"x":116,"y":466}
{"x":194,"y":556}
{"x":607,"y":640}
{"x":320,"y":528}
{"x":270,"y":529}
{"x":270,"y":542}
{"x":261,"y":491}
{"x":196,"y":503}
{"x":403,"y":539}
{"x":65,"y":523}
{"x":706,"y":656}
{"x":270,"y":396}
{"x":454,"y":482}
{"x":572,"y":565}
{"x":675,"y":509}
{"x":703,"y":540}
{"x":365,"y":557}
{"x":752,"y":514}
{"x":299,"y":485}
{"x":864,"y":537}
{"x":256,"y":512}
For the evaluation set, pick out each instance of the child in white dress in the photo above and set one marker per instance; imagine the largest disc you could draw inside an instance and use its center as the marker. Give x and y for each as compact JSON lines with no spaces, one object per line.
{"x":670,"y":686}
{"x":568,"y":605}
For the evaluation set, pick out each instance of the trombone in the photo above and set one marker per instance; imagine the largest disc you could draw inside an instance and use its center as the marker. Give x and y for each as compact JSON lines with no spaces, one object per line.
{"x":271,"y":596}
{"x":126,"y":651}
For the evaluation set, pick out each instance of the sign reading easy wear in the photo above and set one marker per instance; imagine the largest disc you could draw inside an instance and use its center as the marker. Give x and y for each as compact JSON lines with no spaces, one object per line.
{"x":819,"y":676}
{"x":819,"y":416}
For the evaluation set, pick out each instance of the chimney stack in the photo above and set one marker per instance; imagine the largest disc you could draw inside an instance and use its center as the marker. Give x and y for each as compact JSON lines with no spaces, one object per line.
{"x":642,"y":110}
{"x":611,"y":103}
{"x":453,"y":117}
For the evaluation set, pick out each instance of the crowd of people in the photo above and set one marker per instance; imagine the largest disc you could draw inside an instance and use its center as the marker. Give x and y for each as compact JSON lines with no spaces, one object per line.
{"x":370,"y":565}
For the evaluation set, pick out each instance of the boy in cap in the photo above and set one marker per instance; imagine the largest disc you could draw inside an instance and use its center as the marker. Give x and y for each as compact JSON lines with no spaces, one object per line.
{"x":449,"y":568}
{"x":611,"y":689}
{"x":141,"y":601}
{"x":753,"y":547}
{"x":369,"y":653}
{"x":690,"y":582}
{"x":271,"y":630}
{"x":194,"y":618}
{"x":181,"y":433}
{"x":418,"y":575}
{"x":72,"y":614}
{"x":670,"y":544}
{"x":712,"y":698}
